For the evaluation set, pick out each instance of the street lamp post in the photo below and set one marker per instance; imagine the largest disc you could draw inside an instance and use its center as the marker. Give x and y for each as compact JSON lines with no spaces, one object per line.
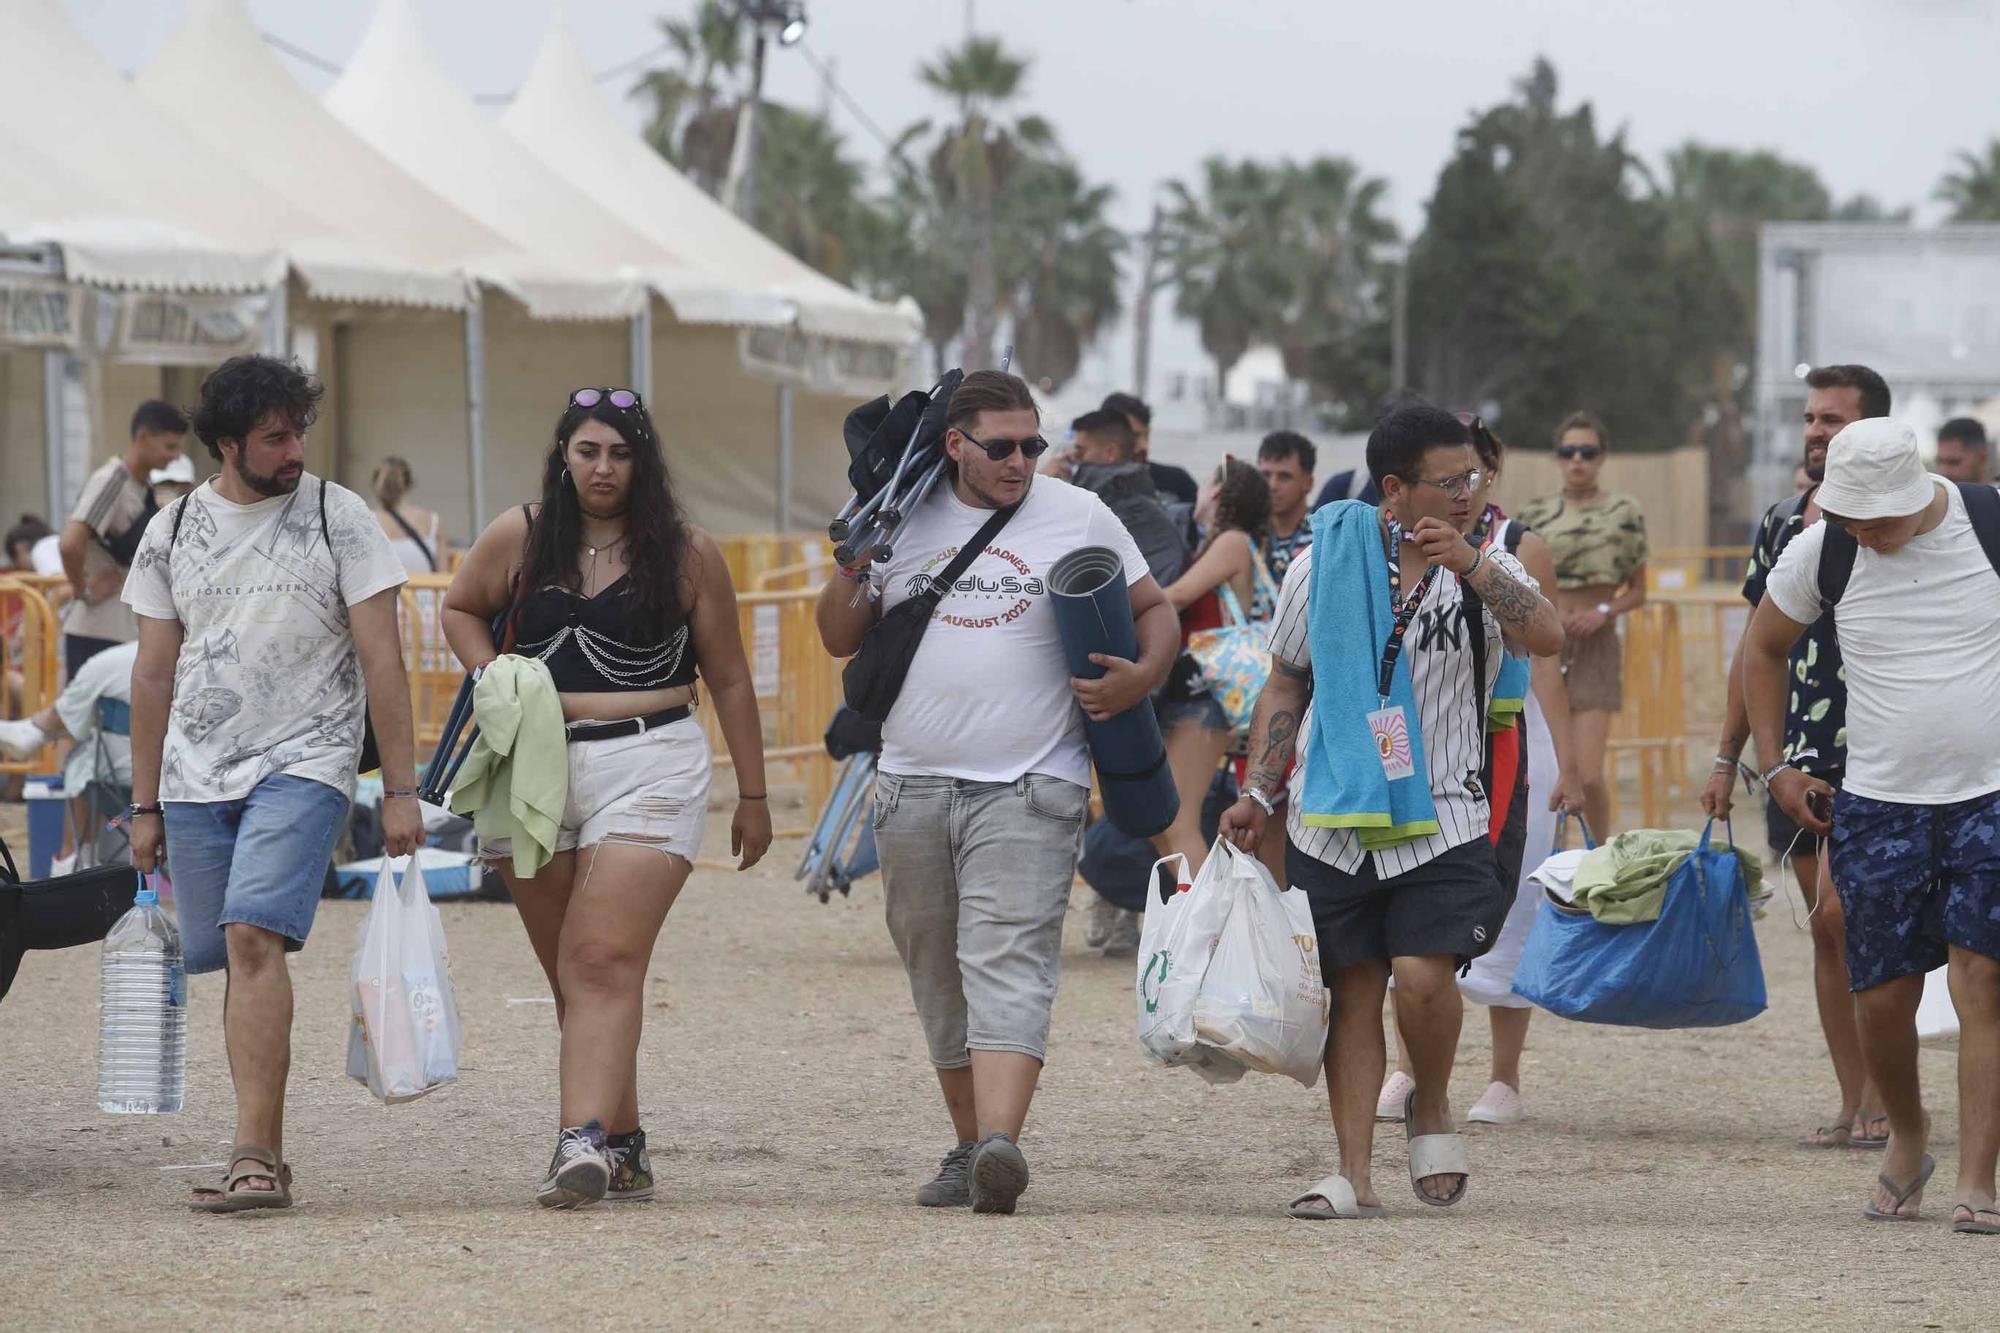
{"x":1399,"y":305}
{"x":787,"y":18}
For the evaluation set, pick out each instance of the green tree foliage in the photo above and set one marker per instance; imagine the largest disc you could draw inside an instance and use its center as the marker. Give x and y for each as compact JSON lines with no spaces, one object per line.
{"x":1972,"y":187}
{"x":1287,"y":254}
{"x":1060,"y":254}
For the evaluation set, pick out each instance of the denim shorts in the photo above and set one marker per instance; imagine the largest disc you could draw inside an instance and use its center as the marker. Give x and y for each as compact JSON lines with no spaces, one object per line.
{"x":976,"y":879}
{"x":257,"y":861}
{"x":1203,"y":709}
{"x":1914,"y":879}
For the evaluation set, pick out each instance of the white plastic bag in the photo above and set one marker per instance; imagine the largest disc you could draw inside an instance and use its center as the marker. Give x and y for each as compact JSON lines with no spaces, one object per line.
{"x":404,"y":1041}
{"x":1175,"y":942}
{"x":1262,"y":1001}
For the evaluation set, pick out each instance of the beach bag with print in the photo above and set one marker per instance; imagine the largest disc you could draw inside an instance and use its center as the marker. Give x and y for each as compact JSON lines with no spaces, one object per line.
{"x":405,"y":1037}
{"x":1235,"y":660}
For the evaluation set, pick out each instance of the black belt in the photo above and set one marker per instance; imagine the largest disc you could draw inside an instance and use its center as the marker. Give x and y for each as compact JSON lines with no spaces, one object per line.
{"x":630,"y":726}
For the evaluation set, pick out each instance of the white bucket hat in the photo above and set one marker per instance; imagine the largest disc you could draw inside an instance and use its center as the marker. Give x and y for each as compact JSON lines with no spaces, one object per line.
{"x":1873,"y":470}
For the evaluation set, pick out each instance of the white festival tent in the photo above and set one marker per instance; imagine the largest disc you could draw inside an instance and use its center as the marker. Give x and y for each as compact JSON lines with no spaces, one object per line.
{"x":563,"y":115}
{"x":723,"y":427}
{"x":191,"y":260}
{"x":402,"y":381}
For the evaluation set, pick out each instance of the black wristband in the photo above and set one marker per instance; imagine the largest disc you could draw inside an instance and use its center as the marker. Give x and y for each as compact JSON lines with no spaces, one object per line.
{"x":761,"y":797}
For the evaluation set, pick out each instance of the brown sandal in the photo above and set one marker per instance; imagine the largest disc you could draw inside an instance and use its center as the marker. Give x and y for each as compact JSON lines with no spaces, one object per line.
{"x":235,"y":1196}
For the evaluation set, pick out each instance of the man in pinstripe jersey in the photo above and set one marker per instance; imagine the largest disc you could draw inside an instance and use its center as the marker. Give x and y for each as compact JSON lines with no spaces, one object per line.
{"x":1422,"y":908}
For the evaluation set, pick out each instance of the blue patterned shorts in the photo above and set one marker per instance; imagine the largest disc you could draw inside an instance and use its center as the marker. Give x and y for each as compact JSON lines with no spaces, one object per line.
{"x":1914,"y":879}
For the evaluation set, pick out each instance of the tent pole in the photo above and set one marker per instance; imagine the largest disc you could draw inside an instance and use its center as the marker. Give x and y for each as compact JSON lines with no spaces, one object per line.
{"x":55,"y":369}
{"x":475,"y":404}
{"x":785,"y":456}
{"x":639,"y":351}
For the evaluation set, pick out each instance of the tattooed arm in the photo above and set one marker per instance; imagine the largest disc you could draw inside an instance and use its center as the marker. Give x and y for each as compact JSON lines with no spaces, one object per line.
{"x":1274,"y":739}
{"x":1525,"y":615}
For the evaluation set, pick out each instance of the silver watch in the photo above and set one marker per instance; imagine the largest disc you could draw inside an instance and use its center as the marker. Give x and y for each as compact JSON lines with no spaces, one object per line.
{"x":1263,"y":801}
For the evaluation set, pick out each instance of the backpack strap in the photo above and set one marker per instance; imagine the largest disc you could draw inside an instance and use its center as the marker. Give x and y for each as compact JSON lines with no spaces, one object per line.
{"x":1836,"y":564}
{"x":1473,"y":608}
{"x":1982,"y":506}
{"x":1512,"y":538}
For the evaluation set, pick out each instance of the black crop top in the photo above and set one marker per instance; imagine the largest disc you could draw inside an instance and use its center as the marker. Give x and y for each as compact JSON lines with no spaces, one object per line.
{"x":583,"y":642}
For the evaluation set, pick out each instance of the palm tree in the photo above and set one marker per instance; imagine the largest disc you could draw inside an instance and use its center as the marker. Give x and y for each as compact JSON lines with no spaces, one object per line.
{"x":975,"y":159}
{"x":1062,"y":254}
{"x":692,"y":125}
{"x":1222,"y":249}
{"x":1973,"y":191}
{"x":1331,"y":230}
{"x":907,"y":246}
{"x":809,"y":192}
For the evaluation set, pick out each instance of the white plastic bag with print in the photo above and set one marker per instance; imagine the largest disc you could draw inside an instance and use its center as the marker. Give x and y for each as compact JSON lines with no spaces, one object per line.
{"x":404,"y":1040}
{"x":1262,"y":1001}
{"x":1180,"y":931}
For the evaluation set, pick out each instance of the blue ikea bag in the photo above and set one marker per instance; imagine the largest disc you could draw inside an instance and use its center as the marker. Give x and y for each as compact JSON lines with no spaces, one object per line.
{"x":1696,"y":966}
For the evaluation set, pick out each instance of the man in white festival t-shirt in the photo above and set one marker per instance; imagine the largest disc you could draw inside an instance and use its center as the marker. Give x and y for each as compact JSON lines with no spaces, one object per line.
{"x":984,"y":774}
{"x":266,"y":603}
{"x":1916,"y":824}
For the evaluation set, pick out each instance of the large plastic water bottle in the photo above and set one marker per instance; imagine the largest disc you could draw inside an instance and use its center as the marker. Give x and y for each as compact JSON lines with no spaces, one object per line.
{"x":142,"y":1031}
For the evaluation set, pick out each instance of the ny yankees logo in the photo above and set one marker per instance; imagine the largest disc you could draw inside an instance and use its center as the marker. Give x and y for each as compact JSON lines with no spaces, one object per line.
{"x":1439,"y":626}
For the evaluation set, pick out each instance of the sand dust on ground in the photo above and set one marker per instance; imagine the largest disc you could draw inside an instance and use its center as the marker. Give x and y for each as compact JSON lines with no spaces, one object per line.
{"x":791,"y":1113}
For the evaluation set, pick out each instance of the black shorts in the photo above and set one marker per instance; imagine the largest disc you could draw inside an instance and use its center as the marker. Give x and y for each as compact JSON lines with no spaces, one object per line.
{"x":80,"y":648}
{"x":1452,"y":904}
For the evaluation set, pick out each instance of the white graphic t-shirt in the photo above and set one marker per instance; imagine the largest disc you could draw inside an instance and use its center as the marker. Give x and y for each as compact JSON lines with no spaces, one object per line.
{"x":987,"y":698}
{"x":268,"y":681}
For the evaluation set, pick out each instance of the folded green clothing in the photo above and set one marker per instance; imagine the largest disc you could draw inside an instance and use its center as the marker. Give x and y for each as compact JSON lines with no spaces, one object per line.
{"x":1624,"y":882}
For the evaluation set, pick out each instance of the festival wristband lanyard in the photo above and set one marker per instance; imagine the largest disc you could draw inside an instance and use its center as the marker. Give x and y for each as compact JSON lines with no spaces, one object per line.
{"x":1406,"y":611}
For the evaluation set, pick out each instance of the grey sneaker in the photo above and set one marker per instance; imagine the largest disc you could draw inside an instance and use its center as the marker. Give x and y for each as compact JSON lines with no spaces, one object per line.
{"x":999,"y":1175}
{"x":1123,"y":941}
{"x":580,"y":1171}
{"x":631,"y":1169}
{"x":951,"y":1187}
{"x":1098,"y":924}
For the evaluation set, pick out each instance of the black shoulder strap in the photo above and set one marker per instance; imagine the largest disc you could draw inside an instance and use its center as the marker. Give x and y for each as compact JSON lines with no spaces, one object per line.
{"x":180,"y":512}
{"x":1836,"y":555}
{"x":1474,"y":610}
{"x":968,"y":553}
{"x":1515,"y":531}
{"x":1982,"y":506}
{"x":414,"y":536}
{"x":326,"y":533}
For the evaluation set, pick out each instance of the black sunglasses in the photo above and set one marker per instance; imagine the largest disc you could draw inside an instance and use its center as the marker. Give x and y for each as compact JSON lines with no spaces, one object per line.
{"x":1589,"y":453}
{"x":1001,"y":450}
{"x":622,"y":399}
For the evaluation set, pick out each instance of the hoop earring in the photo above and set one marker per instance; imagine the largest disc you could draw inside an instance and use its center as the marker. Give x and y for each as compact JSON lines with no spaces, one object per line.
{"x":567,"y":479}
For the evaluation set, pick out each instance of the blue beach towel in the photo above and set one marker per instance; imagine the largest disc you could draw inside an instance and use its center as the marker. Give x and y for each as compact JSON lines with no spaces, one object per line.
{"x":1347,"y":624}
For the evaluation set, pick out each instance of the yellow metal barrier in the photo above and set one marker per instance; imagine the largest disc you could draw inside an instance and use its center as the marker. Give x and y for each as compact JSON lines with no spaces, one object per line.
{"x":30,"y":662}
{"x":1685,"y":568}
{"x":751,"y":556}
{"x":1677,"y":651}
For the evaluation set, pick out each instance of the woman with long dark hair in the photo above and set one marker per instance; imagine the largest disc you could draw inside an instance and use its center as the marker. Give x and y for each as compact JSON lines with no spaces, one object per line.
{"x":1233,"y":508}
{"x":625,"y":603}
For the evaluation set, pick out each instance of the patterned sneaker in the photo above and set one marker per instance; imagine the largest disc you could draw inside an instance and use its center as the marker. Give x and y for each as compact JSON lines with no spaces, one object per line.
{"x":951,"y":1187}
{"x":580,"y":1171}
{"x":631,"y":1168}
{"x":999,"y":1175}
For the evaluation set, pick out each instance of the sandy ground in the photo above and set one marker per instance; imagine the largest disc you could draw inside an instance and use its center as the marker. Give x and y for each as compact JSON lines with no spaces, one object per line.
{"x":792,"y":1114}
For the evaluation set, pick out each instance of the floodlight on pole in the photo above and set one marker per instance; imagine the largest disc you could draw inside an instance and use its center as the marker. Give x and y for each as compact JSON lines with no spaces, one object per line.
{"x":787,"y":18}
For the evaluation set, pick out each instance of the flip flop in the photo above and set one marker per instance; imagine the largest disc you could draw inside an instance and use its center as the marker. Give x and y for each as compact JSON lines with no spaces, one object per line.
{"x":235,"y":1196}
{"x":1900,"y":1194}
{"x":1870,"y":1140}
{"x":1338,"y":1203}
{"x":1972,"y":1226}
{"x":1435,"y":1155}
{"x":1830,"y":1136}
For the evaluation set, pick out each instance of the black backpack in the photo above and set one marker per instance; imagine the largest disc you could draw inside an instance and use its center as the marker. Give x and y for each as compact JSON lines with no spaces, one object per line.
{"x":371,"y":754}
{"x":1836,"y":561}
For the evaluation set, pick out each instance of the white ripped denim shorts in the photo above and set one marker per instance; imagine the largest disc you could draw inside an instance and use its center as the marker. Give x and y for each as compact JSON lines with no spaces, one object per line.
{"x":648,"y":790}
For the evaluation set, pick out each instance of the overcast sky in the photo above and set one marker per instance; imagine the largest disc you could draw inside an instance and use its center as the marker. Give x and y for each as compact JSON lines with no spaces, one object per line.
{"x":1877,"y":94}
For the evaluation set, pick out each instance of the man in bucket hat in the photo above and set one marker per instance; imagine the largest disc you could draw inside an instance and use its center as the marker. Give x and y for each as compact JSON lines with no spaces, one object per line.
{"x":1910,"y":559}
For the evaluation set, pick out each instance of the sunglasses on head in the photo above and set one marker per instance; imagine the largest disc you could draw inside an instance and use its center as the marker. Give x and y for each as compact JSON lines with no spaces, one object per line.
{"x":1589,"y":453}
{"x":622,"y":399}
{"x":999,"y":451}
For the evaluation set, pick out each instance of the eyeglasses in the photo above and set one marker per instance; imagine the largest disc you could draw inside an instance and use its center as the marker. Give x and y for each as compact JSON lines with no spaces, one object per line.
{"x":622,"y":399}
{"x":999,"y":451}
{"x":1589,"y":453}
{"x":1464,"y":484}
